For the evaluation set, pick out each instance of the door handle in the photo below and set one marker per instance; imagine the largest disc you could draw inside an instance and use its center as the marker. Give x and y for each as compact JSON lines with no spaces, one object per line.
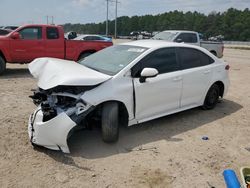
{"x":178,"y":78}
{"x":207,"y":71}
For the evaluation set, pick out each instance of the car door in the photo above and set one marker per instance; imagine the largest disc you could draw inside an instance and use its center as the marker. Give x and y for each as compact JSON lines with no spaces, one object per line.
{"x":29,"y":46}
{"x":159,"y":95}
{"x":54,"y":43}
{"x":196,"y":74}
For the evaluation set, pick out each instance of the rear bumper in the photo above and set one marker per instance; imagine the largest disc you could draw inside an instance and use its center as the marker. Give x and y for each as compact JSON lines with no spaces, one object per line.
{"x":51,"y":134}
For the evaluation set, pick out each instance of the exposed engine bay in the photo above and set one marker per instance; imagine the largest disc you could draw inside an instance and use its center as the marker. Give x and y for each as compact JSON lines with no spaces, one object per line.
{"x":62,"y":99}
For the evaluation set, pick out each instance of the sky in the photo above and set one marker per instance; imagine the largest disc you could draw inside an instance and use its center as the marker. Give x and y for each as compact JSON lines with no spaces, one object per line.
{"x":19,"y":12}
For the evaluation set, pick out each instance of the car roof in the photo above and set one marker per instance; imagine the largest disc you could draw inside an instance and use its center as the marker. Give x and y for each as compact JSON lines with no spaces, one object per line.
{"x":179,"y":31}
{"x":84,"y":35}
{"x":157,"y":44}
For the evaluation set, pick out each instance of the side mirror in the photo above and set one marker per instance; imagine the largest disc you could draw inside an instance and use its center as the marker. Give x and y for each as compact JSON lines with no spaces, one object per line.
{"x":15,"y":35}
{"x":148,"y":73}
{"x":179,"y":40}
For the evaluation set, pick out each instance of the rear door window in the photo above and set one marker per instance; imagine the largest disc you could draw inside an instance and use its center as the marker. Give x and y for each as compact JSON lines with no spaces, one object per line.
{"x":88,"y":38}
{"x":187,"y":37}
{"x":205,"y":59}
{"x":52,"y":33}
{"x":191,"y":58}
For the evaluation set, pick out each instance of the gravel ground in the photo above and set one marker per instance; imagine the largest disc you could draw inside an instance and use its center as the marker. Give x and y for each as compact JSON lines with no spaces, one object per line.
{"x":167,"y":152}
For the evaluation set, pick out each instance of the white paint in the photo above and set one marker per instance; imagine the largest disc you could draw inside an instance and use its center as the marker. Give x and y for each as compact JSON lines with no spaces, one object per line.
{"x":52,"y":72}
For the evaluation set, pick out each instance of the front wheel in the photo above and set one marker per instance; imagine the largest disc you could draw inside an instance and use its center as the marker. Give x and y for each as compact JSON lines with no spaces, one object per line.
{"x":110,"y":122}
{"x":212,"y":97}
{"x":2,"y":65}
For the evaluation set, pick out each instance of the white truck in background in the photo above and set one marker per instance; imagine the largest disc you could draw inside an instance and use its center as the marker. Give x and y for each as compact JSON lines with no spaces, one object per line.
{"x":191,"y":37}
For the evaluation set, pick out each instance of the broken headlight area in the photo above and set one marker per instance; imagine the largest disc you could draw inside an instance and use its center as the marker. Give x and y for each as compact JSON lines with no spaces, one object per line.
{"x":40,"y":95}
{"x":53,"y":103}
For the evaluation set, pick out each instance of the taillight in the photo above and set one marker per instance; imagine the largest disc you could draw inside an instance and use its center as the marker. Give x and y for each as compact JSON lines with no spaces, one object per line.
{"x":227,"y":67}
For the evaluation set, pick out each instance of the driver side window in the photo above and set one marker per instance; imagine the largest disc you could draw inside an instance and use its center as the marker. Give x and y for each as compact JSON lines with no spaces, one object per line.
{"x":31,"y":33}
{"x":164,"y":60}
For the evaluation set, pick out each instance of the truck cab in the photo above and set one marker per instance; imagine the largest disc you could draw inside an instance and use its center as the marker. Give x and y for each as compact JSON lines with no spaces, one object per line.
{"x":191,"y":37}
{"x":29,"y":42}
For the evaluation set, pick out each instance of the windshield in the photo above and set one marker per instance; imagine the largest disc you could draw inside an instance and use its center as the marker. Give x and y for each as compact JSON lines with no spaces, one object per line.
{"x":168,"y":36}
{"x":113,"y":59}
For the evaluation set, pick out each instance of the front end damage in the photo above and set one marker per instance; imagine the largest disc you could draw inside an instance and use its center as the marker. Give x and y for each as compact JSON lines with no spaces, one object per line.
{"x":59,"y":111}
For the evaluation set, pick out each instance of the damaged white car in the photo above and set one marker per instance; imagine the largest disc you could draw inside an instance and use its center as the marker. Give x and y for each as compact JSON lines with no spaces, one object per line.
{"x":127,"y":84}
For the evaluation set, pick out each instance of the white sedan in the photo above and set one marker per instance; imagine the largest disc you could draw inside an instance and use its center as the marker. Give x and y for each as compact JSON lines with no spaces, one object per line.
{"x":127,"y":84}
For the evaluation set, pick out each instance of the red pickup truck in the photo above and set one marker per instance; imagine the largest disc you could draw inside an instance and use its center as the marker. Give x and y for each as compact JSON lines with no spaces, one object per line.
{"x":32,"y":41}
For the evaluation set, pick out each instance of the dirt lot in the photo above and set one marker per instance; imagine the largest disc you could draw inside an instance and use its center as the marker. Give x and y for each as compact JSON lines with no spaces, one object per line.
{"x":167,"y":152}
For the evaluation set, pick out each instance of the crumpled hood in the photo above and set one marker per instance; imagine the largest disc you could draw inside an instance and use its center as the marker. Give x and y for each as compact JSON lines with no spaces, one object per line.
{"x":52,"y":72}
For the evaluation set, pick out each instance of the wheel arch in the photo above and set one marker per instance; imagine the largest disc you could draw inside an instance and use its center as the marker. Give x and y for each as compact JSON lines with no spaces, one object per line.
{"x":2,"y":55}
{"x":84,"y":52}
{"x":214,"y":52}
{"x":221,"y":86}
{"x":124,"y":118}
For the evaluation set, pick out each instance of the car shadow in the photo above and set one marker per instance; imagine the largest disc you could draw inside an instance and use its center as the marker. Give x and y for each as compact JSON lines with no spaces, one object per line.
{"x":88,"y":143}
{"x":16,"y":73}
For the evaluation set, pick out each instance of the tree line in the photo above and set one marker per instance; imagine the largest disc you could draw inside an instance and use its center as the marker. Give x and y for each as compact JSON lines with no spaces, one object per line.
{"x":233,"y":24}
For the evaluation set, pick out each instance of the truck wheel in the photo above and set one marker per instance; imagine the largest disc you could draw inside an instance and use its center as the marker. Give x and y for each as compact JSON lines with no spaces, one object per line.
{"x":214,"y":53}
{"x":83,"y":55}
{"x":2,"y":65}
{"x":212,"y":97}
{"x":110,"y":122}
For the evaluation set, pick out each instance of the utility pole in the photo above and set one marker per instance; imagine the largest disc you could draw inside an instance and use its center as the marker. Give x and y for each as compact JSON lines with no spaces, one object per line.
{"x":107,"y":20}
{"x":48,"y":18}
{"x":116,"y":19}
{"x":107,"y":26}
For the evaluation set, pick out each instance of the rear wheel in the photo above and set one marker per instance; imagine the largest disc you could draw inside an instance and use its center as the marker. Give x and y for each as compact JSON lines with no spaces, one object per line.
{"x":83,"y":55}
{"x":214,"y":53}
{"x":212,"y":97}
{"x":110,"y":122}
{"x":2,"y":65}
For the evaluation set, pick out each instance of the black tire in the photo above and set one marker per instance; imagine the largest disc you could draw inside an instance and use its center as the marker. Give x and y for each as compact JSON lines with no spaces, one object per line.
{"x":82,"y":56}
{"x":2,"y":65}
{"x":214,"y":53}
{"x":212,"y":97}
{"x":110,"y":122}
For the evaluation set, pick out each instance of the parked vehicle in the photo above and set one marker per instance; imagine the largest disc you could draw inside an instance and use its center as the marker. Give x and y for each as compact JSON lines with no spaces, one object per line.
{"x":4,"y":32}
{"x":10,"y":27}
{"x":93,"y":38}
{"x":71,"y":35}
{"x":124,"y":84}
{"x":138,"y":35}
{"x":32,"y":41}
{"x":193,"y":38}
